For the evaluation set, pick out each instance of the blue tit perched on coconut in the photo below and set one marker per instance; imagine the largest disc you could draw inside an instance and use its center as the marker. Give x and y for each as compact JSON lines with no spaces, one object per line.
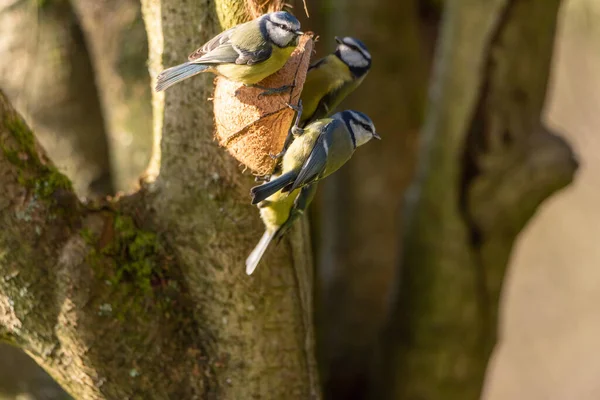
{"x":317,"y":151}
{"x":246,"y":53}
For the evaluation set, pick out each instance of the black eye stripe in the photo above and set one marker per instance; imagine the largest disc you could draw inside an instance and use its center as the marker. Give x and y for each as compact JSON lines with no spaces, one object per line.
{"x":284,"y":27}
{"x":365,"y":126}
{"x":351,"y":118}
{"x":362,"y":124}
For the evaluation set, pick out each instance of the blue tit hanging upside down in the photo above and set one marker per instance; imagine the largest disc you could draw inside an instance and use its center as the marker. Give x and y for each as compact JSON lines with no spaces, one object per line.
{"x":246,"y":53}
{"x":317,"y":151}
{"x":332,"y":78}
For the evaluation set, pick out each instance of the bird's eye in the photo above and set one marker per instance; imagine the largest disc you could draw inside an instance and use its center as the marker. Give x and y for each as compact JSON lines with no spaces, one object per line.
{"x":366,"y":127}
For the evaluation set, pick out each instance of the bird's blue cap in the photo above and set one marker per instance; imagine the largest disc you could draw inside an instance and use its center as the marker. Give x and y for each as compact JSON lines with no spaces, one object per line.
{"x":286,"y":19}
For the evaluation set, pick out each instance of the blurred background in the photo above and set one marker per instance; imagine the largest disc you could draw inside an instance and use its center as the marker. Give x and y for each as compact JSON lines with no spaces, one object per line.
{"x":77,"y":71}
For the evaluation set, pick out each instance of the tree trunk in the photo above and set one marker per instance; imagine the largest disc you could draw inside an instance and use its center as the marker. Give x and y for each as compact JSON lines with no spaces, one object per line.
{"x":487,"y":155}
{"x":47,"y":74}
{"x":357,"y":219}
{"x":147,"y":297}
{"x":115,"y":33}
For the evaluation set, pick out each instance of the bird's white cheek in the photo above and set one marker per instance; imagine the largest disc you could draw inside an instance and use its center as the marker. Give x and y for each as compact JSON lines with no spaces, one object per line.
{"x":361,"y":135}
{"x":279,"y":36}
{"x":353,"y":57}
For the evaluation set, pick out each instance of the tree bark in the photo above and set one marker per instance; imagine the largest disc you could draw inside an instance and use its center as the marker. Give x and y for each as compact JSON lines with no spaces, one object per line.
{"x":114,"y":31}
{"x":146,"y":297}
{"x":263,"y":320}
{"x":486,"y":154}
{"x":47,"y":74}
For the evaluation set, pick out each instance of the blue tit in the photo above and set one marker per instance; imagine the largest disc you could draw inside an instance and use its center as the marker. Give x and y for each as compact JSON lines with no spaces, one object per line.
{"x":246,"y":53}
{"x":332,"y":78}
{"x":317,"y":151}
{"x":278,"y":212}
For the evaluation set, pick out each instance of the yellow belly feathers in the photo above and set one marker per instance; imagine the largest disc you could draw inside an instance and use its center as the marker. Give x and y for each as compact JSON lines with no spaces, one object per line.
{"x":251,"y":74}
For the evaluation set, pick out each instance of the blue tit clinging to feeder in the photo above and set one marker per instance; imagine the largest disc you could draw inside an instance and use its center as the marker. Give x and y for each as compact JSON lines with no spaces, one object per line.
{"x":317,"y":151}
{"x":246,"y":53}
{"x":332,"y":78}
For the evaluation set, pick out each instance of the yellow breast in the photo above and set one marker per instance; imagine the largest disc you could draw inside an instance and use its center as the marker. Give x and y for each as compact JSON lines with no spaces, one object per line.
{"x":251,"y":74}
{"x":278,"y":210}
{"x":322,"y":80}
{"x":301,"y":147}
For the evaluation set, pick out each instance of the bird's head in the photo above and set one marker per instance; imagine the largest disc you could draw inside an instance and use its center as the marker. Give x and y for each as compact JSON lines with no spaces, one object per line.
{"x":354,"y":54}
{"x":359,"y":125}
{"x":282,"y":28}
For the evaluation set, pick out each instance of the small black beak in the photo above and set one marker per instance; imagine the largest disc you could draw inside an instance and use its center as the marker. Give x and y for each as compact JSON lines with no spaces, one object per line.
{"x":376,"y":136}
{"x":338,"y":40}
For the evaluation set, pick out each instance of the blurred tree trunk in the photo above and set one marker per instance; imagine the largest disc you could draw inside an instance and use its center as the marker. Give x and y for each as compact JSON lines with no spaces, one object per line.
{"x":486,"y":163}
{"x":47,"y":74}
{"x":147,"y":297}
{"x":357,"y":220}
{"x":115,"y":33}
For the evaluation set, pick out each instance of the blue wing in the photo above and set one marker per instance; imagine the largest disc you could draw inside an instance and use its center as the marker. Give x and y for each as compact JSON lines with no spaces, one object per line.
{"x":315,"y":165}
{"x":221,"y":50}
{"x":303,"y":200}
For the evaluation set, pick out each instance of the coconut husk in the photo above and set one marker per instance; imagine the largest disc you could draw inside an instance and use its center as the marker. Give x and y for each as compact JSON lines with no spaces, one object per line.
{"x":252,"y":128}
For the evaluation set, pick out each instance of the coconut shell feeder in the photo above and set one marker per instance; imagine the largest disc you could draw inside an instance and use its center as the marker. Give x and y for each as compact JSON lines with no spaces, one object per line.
{"x":252,"y":128}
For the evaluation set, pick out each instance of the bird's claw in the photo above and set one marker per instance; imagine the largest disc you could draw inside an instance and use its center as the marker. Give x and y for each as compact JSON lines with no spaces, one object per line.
{"x":297,"y":131}
{"x":262,"y":178}
{"x":297,"y":108}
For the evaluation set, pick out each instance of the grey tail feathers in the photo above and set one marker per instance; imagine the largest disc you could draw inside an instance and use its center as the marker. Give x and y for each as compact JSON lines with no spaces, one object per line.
{"x":254,"y":257}
{"x":176,"y":74}
{"x":262,"y":192}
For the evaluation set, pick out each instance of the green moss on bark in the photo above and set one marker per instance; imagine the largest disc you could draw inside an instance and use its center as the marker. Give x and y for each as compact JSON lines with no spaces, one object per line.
{"x":138,"y":250}
{"x":135,"y":254}
{"x":39,"y":176}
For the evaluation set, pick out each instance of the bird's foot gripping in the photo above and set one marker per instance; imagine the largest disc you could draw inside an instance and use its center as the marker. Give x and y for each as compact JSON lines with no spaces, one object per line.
{"x":262,"y":178}
{"x":297,"y":108}
{"x":295,"y":129}
{"x":278,"y":155}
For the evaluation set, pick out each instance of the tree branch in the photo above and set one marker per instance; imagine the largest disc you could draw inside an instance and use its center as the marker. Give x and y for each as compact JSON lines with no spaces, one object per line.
{"x":486,"y":153}
{"x":91,"y":297}
{"x":234,"y":12}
